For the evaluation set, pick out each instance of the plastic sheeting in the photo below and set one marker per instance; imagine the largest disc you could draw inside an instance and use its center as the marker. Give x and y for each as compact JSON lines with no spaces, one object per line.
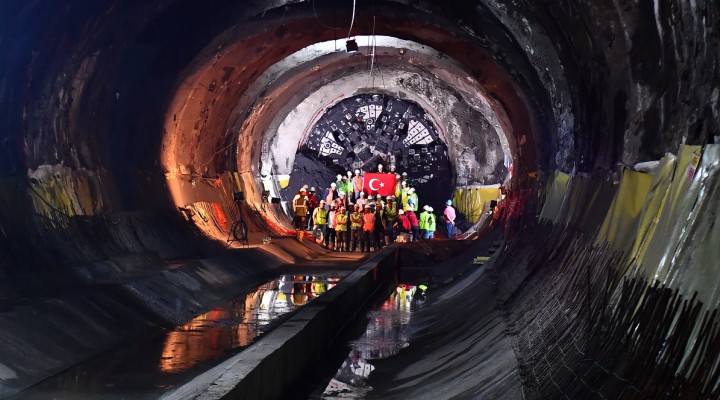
{"x":555,"y":196}
{"x":686,"y":241}
{"x":654,"y":203}
{"x":472,"y":201}
{"x":622,"y":220}
{"x":674,"y":215}
{"x":697,"y":260}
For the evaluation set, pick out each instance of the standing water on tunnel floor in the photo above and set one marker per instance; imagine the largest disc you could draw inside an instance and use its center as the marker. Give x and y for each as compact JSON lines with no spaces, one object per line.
{"x":388,"y":331}
{"x":146,"y":370}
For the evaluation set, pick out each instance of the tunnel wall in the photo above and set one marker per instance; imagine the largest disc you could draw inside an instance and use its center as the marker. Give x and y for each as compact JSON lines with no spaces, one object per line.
{"x":612,"y":292}
{"x":85,"y":85}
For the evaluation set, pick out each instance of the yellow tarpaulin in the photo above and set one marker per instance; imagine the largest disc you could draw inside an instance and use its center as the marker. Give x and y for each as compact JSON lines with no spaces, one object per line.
{"x":472,"y":201}
{"x":555,"y":196}
{"x":620,"y":225}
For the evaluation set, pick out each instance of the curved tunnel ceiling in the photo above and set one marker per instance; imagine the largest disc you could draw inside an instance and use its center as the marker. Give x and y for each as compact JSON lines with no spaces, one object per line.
{"x":124,"y":110}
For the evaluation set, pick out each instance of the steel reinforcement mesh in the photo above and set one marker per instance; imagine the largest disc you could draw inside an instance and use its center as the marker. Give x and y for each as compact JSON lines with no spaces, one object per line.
{"x":585,"y":326}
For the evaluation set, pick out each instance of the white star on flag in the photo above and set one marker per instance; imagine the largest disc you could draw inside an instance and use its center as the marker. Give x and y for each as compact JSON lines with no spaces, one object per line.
{"x":382,"y":184}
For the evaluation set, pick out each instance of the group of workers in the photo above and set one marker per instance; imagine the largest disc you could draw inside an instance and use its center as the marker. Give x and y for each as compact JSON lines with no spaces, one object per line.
{"x":346,"y":218}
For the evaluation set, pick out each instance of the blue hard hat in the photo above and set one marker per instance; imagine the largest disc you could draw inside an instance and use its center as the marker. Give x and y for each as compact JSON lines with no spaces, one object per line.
{"x":449,"y":202}
{"x":410,"y":201}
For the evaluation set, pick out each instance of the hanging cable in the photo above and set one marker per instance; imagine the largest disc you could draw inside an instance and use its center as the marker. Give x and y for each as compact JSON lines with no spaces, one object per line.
{"x":352,"y":21}
{"x":372,"y":52}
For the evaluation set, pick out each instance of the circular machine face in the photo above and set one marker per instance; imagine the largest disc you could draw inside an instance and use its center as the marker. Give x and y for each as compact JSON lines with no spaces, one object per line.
{"x":364,"y":131}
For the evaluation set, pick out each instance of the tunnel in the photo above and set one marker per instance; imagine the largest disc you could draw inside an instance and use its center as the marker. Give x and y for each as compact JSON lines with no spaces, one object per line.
{"x":136,"y":133}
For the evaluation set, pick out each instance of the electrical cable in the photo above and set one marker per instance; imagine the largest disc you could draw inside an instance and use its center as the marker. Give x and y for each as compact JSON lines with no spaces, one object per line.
{"x":352,"y":21}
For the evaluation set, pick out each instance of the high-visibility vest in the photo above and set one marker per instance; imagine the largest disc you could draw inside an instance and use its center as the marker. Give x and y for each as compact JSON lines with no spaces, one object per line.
{"x":320,"y":216}
{"x":341,"y":222}
{"x":398,"y":189}
{"x":356,"y":220}
{"x":414,"y":198}
{"x":431,"y":222}
{"x":357,"y":183}
{"x":301,"y":206}
{"x":404,"y":196}
{"x":423,"y":223}
{"x":368,"y":221}
{"x":391,"y":211}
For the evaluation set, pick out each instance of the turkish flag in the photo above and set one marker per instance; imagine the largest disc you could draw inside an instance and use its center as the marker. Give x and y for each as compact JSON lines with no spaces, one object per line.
{"x":379,"y":184}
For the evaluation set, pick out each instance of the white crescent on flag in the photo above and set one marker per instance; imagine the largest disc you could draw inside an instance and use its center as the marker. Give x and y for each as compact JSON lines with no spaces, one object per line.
{"x":373,"y":187}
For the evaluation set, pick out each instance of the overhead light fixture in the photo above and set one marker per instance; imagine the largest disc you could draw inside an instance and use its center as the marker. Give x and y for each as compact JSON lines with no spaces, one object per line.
{"x":351,"y":45}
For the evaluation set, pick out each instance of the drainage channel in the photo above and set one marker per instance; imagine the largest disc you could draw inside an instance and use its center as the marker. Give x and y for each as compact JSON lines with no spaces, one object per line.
{"x":146,"y":370}
{"x":386,"y":332}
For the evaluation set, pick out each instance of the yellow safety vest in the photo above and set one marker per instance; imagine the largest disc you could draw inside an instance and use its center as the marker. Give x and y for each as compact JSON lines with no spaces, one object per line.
{"x":341,"y":222}
{"x":356,"y":220}
{"x":321,"y":216}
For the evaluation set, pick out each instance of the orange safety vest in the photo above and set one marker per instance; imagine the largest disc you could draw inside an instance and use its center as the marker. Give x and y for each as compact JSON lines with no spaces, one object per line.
{"x":368,"y":221}
{"x":358,"y":183}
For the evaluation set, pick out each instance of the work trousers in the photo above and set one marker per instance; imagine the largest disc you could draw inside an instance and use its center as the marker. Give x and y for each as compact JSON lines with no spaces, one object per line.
{"x":369,"y":241}
{"x":357,"y":238}
{"x":415,"y":233}
{"x":329,"y":238}
{"x":341,"y":238}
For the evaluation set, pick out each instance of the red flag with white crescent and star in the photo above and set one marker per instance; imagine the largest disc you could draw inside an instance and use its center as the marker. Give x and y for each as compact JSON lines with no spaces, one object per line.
{"x":379,"y":184}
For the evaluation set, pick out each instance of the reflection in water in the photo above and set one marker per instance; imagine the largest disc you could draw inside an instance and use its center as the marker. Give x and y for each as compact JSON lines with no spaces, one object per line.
{"x":238,"y":323}
{"x":386,"y":334}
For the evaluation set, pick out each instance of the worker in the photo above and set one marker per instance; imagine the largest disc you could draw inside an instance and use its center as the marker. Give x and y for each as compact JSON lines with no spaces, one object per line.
{"x":423,"y":221}
{"x":330,"y":230}
{"x":398,"y":186}
{"x":449,"y":219}
{"x":330,"y":195}
{"x":379,"y":231}
{"x":368,"y":229}
{"x":414,"y":225}
{"x":411,"y":195}
{"x":357,"y":181}
{"x":341,"y":221}
{"x":339,"y":182}
{"x":300,"y":207}
{"x":356,"y":229}
{"x":391,"y":213}
{"x":361,"y":200}
{"x":380,"y":169}
{"x":431,"y":226}
{"x":312,"y":204}
{"x":319,"y":218}
{"x":402,"y":224}
{"x":347,"y":187}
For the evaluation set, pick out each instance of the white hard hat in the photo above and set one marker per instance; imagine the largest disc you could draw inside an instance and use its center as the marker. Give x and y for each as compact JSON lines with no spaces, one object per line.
{"x":411,"y":190}
{"x":349,"y":173}
{"x":426,"y":207}
{"x":430,"y":209}
{"x":379,"y":165}
{"x":333,"y":185}
{"x":357,"y":171}
{"x":401,"y":212}
{"x":339,"y":176}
